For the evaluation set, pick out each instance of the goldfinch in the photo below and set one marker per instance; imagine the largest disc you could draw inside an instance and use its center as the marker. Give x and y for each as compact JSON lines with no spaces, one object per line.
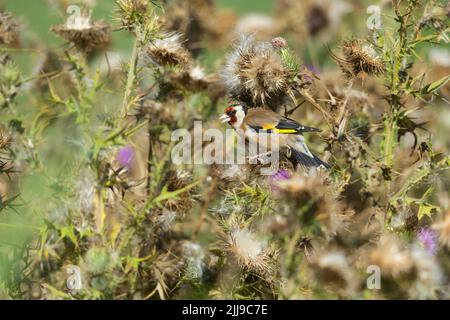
{"x":257,"y":120}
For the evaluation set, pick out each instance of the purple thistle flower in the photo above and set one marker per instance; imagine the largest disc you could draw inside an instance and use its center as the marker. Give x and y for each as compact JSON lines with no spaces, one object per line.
{"x":309,"y":71}
{"x":125,"y":156}
{"x":311,"y":68}
{"x":429,"y":240}
{"x":281,"y":175}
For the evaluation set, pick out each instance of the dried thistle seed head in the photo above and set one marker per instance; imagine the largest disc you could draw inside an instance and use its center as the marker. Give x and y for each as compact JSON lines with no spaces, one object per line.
{"x":443,"y":228}
{"x":9,"y":28}
{"x":392,"y":256}
{"x":429,"y":275}
{"x":166,"y":219}
{"x":263,"y":76}
{"x":255,"y":74}
{"x":250,"y":252}
{"x":332,"y":268}
{"x":277,"y":225}
{"x":317,"y":19}
{"x":169,"y":51}
{"x":131,"y":12}
{"x":219,"y":26}
{"x":359,"y":58}
{"x":193,"y":79}
{"x":301,"y":186}
{"x":83,"y":32}
{"x":155,"y":112}
{"x":176,"y":180}
{"x":5,"y":140}
{"x":315,"y":194}
{"x":189,"y":18}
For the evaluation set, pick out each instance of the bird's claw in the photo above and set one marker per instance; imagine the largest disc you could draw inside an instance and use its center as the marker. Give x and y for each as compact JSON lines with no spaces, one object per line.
{"x":259,"y":157}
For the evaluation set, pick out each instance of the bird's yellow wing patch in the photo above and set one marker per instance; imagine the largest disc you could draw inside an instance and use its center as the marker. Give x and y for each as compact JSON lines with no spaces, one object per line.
{"x":284,"y":131}
{"x":273,"y":129}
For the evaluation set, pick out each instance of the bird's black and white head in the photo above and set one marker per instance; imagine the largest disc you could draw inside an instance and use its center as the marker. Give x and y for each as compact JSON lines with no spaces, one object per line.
{"x":234,"y":115}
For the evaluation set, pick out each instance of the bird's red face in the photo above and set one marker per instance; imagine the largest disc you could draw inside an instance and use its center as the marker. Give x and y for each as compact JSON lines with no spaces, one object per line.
{"x":229,"y":115}
{"x":234,"y":115}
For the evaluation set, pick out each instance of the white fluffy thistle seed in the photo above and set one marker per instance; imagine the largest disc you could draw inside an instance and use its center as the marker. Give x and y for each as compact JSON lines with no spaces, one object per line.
{"x":197,"y":73}
{"x":246,"y":244}
{"x":169,"y":50}
{"x":249,"y":251}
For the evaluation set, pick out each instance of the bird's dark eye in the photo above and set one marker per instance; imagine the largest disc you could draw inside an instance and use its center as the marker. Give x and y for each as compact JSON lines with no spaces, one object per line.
{"x":231,"y":113}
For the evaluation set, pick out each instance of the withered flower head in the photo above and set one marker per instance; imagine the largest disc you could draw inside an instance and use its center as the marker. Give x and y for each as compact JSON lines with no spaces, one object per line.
{"x":9,"y":28}
{"x":392,"y":256}
{"x":359,"y":58}
{"x":169,"y":51}
{"x":318,"y":200}
{"x":250,"y":252}
{"x":174,"y":181}
{"x":443,"y":227}
{"x":83,"y":32}
{"x":193,"y":79}
{"x":254,"y":73}
{"x":317,"y":19}
{"x":166,"y":219}
{"x":131,"y":12}
{"x":332,"y":268}
{"x":5,"y":140}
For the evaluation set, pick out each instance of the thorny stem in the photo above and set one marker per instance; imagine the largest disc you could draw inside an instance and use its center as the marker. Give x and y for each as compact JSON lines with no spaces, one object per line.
{"x":397,"y":58}
{"x":131,"y":77}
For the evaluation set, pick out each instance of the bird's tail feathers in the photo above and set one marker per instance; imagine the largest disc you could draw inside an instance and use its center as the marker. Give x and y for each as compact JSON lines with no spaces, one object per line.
{"x":306,"y":160}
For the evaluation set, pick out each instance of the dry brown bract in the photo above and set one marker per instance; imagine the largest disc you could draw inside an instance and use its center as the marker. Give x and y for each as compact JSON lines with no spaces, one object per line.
{"x":169,"y":51}
{"x":83,"y":33}
{"x":318,"y":200}
{"x":5,"y":141}
{"x":443,"y":227}
{"x":359,"y":58}
{"x":254,"y":73}
{"x":9,"y":29}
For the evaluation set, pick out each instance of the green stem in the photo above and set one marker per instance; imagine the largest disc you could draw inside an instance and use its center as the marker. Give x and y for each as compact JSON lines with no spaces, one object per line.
{"x":131,"y":77}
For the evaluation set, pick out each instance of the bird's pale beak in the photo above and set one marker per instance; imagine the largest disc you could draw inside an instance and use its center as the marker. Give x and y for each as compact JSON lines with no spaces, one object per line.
{"x":224,"y":118}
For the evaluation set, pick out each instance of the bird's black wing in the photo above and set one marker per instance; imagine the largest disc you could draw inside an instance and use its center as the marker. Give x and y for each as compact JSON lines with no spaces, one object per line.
{"x":284,"y":126}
